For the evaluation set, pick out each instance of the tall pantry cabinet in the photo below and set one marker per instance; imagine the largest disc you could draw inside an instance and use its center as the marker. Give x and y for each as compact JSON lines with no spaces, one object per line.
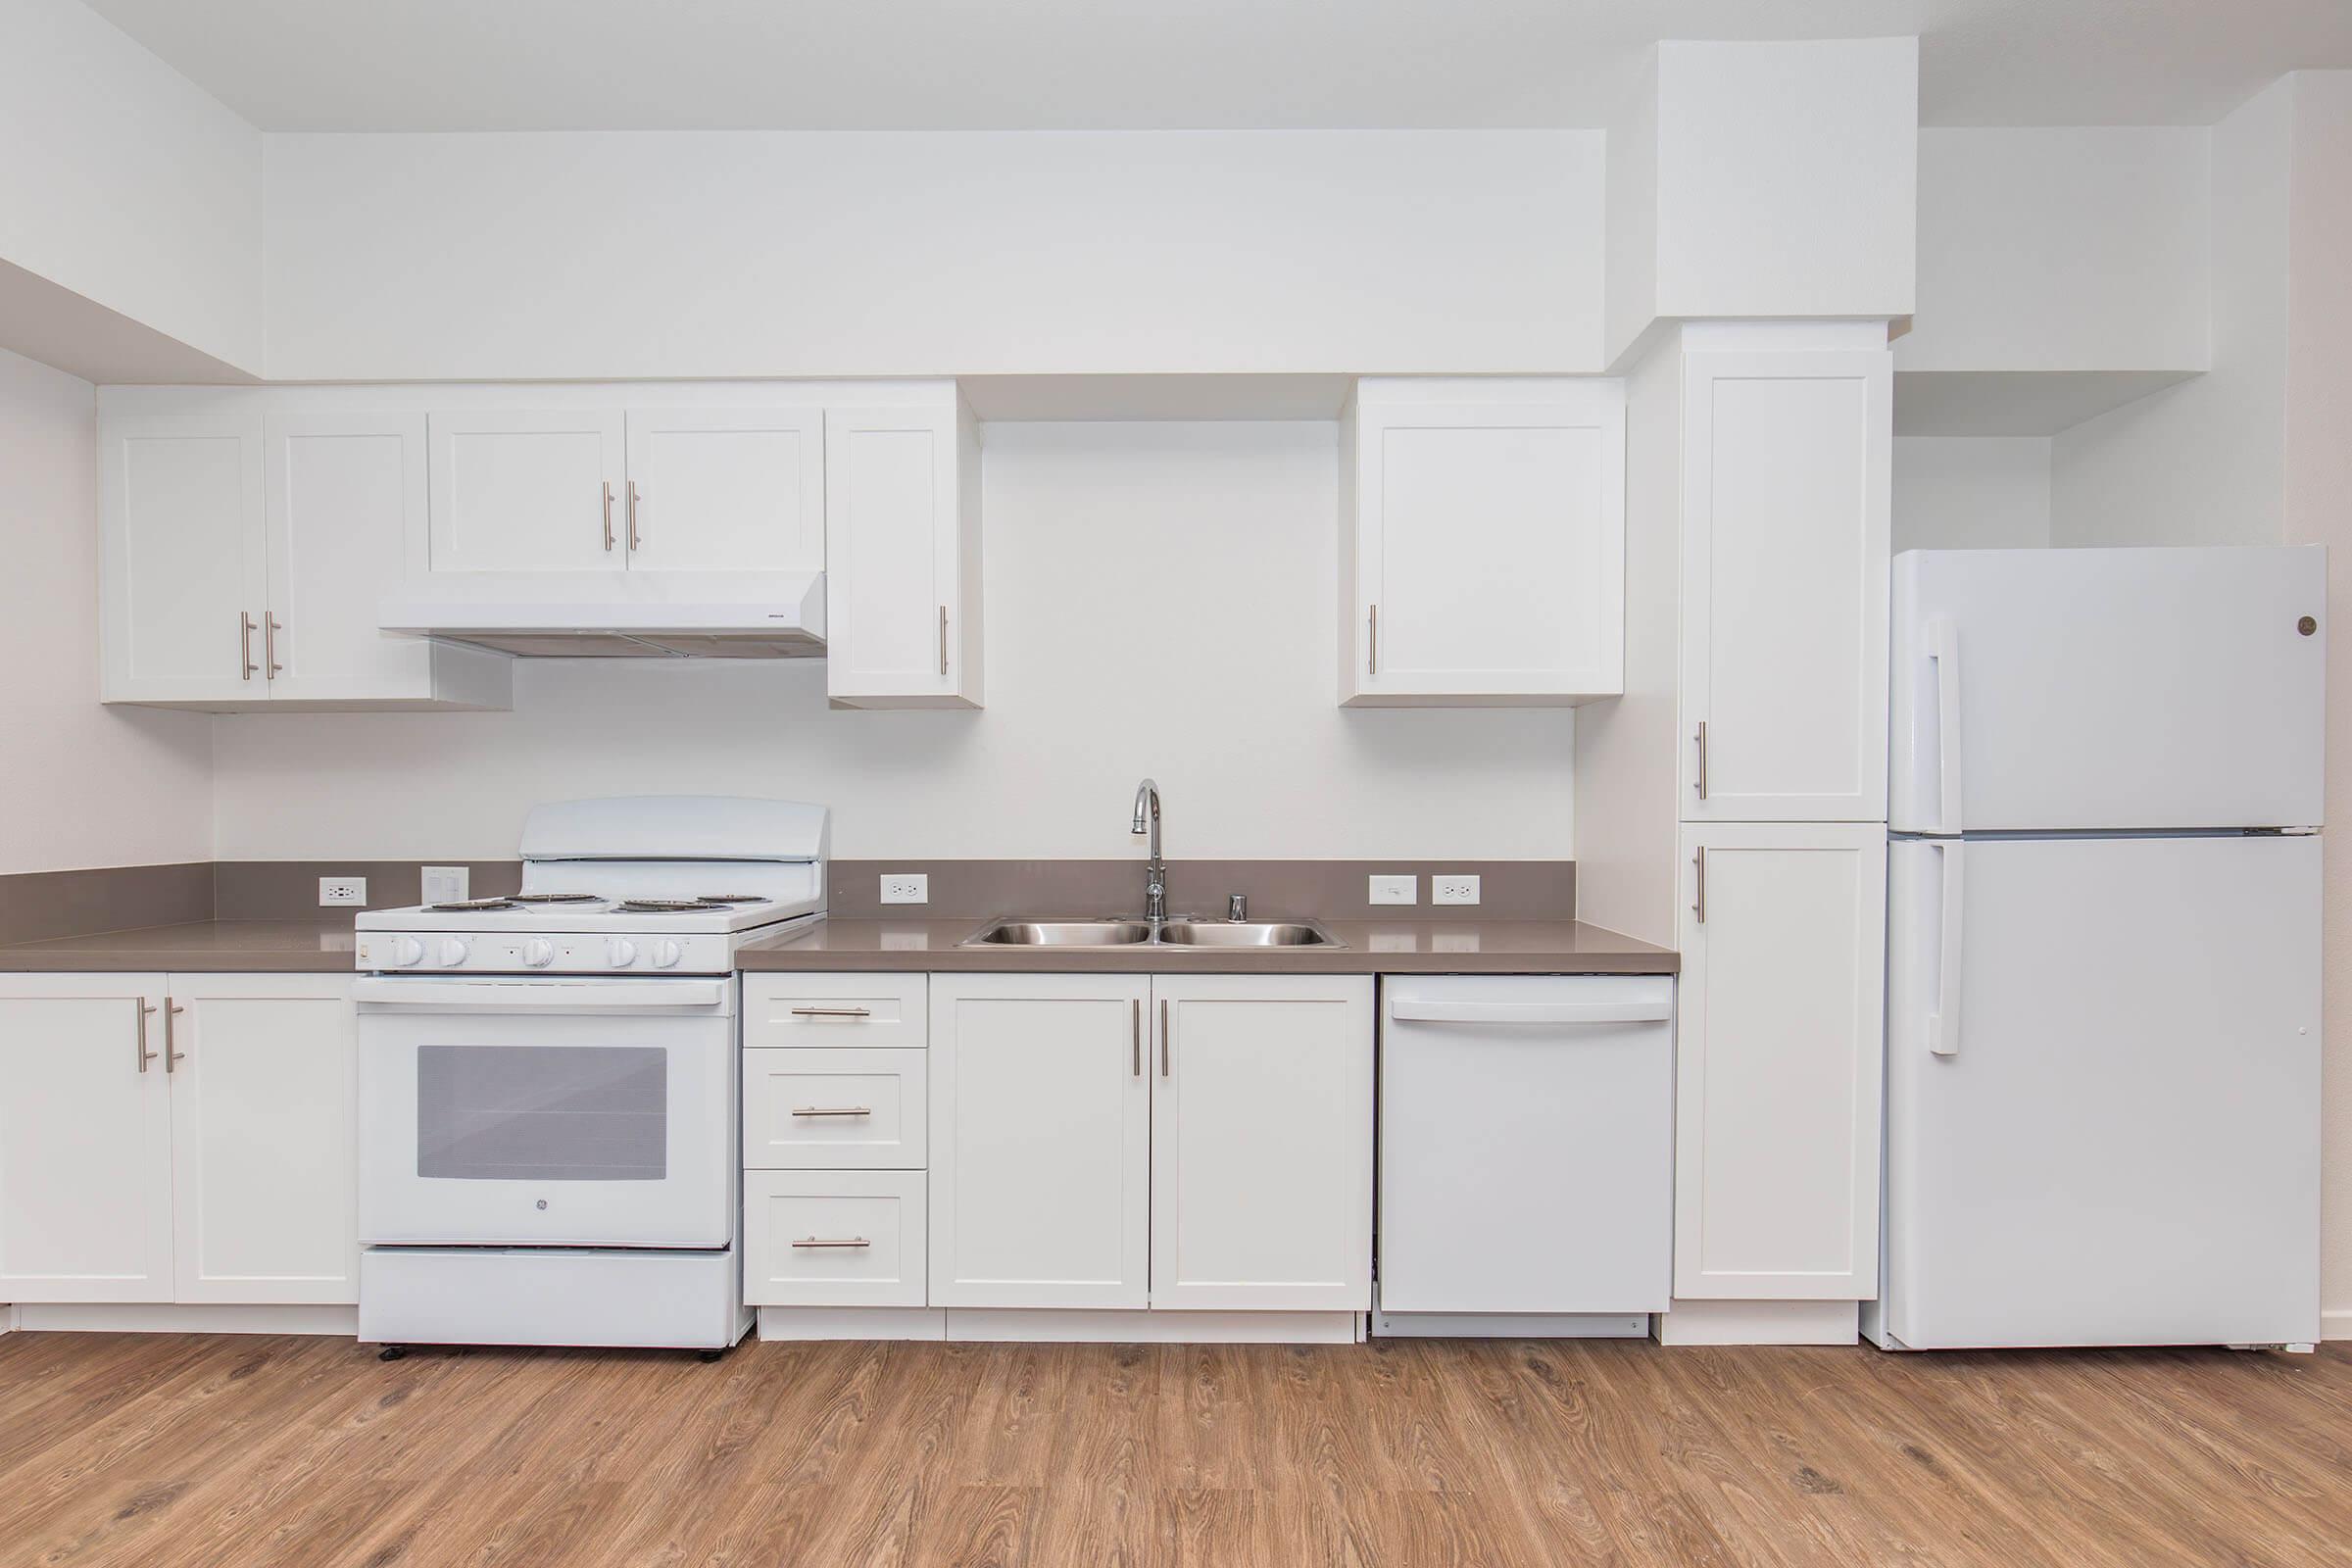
{"x":1758,"y":552}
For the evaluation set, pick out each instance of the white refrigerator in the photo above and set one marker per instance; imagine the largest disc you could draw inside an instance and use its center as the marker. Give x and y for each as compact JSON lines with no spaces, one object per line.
{"x":2103,"y":948}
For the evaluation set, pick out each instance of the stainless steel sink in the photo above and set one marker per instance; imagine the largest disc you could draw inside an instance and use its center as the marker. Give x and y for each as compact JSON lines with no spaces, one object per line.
{"x":1121,"y":933}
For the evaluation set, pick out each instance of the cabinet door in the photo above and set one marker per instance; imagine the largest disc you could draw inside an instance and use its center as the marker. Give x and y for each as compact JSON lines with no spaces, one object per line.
{"x":345,"y":510}
{"x":1778,"y":1063}
{"x":527,"y":490}
{"x":185,"y":570}
{"x":727,"y":490}
{"x":1784,"y":559}
{"x":901,"y":569}
{"x":1490,"y":543}
{"x":264,"y":1135}
{"x":1041,"y":1126}
{"x":85,"y":1138}
{"x":1261,"y":1142}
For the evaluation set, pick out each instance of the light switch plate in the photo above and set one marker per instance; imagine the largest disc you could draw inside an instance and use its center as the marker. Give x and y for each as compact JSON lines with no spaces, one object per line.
{"x":906,"y":887}
{"x":342,"y":892}
{"x":1395,"y":890}
{"x":1444,"y":888}
{"x":446,"y":884}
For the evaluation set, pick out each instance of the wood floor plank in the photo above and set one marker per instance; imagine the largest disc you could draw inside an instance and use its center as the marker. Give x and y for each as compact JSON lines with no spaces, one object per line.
{"x":186,"y":1452}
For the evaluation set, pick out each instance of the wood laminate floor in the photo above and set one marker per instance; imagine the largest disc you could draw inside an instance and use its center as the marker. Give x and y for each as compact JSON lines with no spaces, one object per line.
{"x":164,"y":1450}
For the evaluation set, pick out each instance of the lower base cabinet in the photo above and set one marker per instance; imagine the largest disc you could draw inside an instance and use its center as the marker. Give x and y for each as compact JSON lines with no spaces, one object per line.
{"x":834,"y":1237}
{"x":178,"y":1138}
{"x":1123,"y":1142}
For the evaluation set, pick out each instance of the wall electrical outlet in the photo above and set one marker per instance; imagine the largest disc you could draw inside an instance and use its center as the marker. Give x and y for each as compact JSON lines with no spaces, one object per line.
{"x":445,"y":884}
{"x":906,"y":887}
{"x":1395,"y":890}
{"x":342,"y":892}
{"x":1454,"y":890}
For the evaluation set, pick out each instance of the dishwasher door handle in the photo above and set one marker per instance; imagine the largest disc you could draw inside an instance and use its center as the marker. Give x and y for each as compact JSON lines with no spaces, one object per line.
{"x":1415,"y":1011}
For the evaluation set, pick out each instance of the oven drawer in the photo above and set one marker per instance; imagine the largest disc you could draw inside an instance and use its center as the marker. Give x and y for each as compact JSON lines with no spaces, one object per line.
{"x":835,"y":1109}
{"x":836,"y":1009}
{"x":834,"y":1237}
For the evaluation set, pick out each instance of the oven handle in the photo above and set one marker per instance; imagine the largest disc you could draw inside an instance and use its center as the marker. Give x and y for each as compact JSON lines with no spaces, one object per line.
{"x":539,"y":996}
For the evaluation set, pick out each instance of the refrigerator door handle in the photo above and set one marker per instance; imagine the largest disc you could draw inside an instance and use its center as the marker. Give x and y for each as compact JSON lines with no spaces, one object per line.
{"x":1943,"y":1024}
{"x":1943,"y":649}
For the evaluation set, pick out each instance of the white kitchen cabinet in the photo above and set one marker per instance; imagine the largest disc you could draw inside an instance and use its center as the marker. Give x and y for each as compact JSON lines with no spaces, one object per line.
{"x":1261,"y":1142}
{"x":728,"y":489}
{"x":1779,"y":1057}
{"x":186,"y":578}
{"x":824,"y":1238}
{"x":1785,"y":528}
{"x":1482,"y":542}
{"x":528,"y":490}
{"x":1041,"y":1126}
{"x":264,"y":1141}
{"x":903,"y":555}
{"x":85,"y":1138}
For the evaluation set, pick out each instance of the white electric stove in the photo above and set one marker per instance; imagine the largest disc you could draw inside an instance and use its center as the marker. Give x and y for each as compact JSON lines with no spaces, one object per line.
{"x":548,"y":1084}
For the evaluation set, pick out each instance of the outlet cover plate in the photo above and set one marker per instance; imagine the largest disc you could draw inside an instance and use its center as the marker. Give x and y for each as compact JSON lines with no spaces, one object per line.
{"x":906,"y":887}
{"x":1395,"y":890}
{"x":1444,"y":888}
{"x":342,"y":892}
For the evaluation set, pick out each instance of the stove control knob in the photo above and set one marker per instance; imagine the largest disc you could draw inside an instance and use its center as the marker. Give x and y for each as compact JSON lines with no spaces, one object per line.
{"x":406,"y":950}
{"x":666,"y":954}
{"x":620,"y":952}
{"x":539,"y":952}
{"x":453,"y":952}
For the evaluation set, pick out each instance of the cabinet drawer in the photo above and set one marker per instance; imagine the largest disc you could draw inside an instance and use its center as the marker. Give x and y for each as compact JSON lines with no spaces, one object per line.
{"x":834,"y":1237}
{"x":839,"y":1108}
{"x":835,"y":1010}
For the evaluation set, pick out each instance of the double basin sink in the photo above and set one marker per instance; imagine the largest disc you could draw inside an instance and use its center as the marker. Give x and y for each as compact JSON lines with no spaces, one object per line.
{"x":1173,"y":933}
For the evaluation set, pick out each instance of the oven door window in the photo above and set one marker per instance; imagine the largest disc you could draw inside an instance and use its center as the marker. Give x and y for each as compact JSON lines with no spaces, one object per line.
{"x":543,"y":1113}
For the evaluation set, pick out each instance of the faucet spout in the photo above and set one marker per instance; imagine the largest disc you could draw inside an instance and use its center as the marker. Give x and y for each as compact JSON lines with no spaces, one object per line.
{"x":1155,"y":869}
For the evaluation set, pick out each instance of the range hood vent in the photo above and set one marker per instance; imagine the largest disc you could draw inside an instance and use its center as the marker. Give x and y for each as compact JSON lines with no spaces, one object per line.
{"x":648,"y":615}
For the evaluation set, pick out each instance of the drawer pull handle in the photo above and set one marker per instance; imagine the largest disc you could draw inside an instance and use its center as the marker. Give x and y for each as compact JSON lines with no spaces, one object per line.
{"x":832,"y":1110}
{"x":832,"y":1012}
{"x":832,"y":1241}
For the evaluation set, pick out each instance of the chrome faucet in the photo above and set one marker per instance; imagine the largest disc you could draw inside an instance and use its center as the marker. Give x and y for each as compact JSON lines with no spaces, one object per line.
{"x":1155,"y":869}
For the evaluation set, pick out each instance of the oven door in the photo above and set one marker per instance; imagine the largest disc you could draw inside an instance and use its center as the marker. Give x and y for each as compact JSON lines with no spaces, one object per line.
{"x":549,"y":1112}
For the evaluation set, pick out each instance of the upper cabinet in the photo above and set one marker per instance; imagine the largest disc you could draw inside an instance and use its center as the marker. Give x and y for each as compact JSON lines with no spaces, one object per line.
{"x":725,"y":489}
{"x":1785,"y":520}
{"x":903,"y":555}
{"x":528,"y":490}
{"x":1482,"y":542}
{"x":244,"y":552}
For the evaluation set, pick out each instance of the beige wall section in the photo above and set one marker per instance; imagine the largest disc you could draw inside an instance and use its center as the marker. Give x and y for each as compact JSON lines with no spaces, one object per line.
{"x":80,"y":785}
{"x":1159,"y":601}
{"x":1971,"y":492}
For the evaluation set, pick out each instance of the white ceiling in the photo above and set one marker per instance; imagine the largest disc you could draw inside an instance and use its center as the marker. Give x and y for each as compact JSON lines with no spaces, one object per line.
{"x":920,"y":64}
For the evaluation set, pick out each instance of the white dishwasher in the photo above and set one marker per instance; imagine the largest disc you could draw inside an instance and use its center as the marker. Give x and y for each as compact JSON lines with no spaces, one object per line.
{"x":1525,"y":1152}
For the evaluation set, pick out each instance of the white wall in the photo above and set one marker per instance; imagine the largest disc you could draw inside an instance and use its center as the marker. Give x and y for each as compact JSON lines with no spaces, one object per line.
{"x":689,"y":254}
{"x":1971,"y":492}
{"x":2062,"y":248}
{"x":1159,"y":601}
{"x":2204,"y":462}
{"x":80,"y":785}
{"x":127,"y":183}
{"x":1629,"y":291}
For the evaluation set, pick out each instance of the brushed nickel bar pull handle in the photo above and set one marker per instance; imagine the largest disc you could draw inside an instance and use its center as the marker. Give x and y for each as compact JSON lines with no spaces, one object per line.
{"x":145,"y":1055}
{"x":1163,"y":1037}
{"x":832,"y":1110}
{"x":1698,"y":889}
{"x":1702,"y":785}
{"x":1372,"y":640}
{"x":245,"y":644}
{"x":1135,"y":1035}
{"x":943,"y":639}
{"x":636,"y":539}
{"x":607,"y":516}
{"x":269,"y":630}
{"x":832,"y":1241}
{"x":832,"y":1012}
{"x":172,"y":1058}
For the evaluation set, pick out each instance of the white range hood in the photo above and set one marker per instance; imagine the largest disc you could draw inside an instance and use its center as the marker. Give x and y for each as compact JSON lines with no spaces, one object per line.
{"x":636,"y":614}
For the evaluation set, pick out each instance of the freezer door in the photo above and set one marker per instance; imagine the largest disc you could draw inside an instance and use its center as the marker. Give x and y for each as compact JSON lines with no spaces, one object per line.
{"x":2107,"y":689}
{"x":2102,"y":1091}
